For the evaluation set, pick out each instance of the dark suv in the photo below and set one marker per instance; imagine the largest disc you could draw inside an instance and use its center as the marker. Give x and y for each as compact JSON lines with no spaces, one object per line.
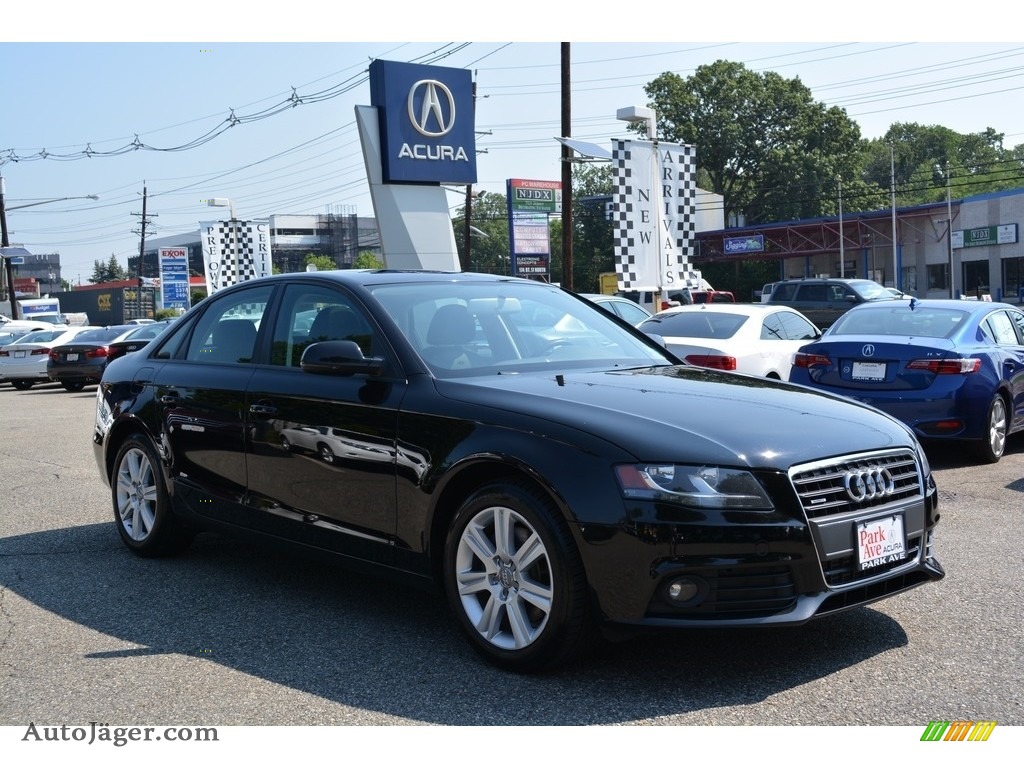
{"x":823,"y":300}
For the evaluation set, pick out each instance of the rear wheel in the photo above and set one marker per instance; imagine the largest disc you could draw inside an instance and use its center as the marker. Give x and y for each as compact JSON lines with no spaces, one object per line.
{"x":73,"y":386}
{"x":142,"y":508}
{"x":992,"y":447}
{"x":514,"y":579}
{"x":22,"y":385}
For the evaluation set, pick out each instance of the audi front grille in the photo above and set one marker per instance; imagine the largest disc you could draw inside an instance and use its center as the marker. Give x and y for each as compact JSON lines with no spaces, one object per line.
{"x":857,"y":482}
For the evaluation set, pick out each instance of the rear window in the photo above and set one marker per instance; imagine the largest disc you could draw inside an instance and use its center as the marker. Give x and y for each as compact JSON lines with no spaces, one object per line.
{"x":899,"y":321}
{"x":697,"y":325}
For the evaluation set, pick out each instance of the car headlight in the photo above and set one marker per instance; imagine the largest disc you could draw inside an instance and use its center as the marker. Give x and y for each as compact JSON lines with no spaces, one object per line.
{"x":702,"y":487}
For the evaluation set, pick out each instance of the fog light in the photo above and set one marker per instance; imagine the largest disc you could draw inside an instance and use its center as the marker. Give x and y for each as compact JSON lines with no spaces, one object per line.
{"x":682,"y":590}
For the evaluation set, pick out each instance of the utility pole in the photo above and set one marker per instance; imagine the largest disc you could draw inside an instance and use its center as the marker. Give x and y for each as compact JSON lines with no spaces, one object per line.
{"x":4,"y":243}
{"x":141,"y":231}
{"x":567,"y":225}
{"x":467,"y":260}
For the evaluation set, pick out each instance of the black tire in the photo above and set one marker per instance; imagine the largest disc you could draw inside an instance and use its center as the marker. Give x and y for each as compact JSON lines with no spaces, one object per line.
{"x":326,"y":454}
{"x":286,"y":443}
{"x":993,"y":446}
{"x":73,"y":386}
{"x":142,"y":507}
{"x":521,"y":598}
{"x":21,"y":385}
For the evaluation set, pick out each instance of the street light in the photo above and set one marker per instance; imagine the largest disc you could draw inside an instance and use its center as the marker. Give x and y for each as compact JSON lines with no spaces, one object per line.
{"x":5,"y":242}
{"x":225,"y":202}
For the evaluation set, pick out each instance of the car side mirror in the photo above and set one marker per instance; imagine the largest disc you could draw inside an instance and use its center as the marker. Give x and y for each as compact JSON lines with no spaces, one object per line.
{"x":339,"y":358}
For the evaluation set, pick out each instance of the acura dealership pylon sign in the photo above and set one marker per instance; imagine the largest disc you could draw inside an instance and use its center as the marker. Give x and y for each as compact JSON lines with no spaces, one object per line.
{"x":426,"y":122}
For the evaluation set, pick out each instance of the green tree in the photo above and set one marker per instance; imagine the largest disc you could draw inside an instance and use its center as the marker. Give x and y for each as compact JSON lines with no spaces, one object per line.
{"x":592,"y":240}
{"x":762,"y":142}
{"x":367,"y":260}
{"x":321,"y":262}
{"x":489,"y":245}
{"x":108,"y":272}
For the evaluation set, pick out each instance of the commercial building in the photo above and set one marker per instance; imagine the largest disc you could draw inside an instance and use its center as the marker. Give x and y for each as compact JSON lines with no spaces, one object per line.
{"x":985,"y":256}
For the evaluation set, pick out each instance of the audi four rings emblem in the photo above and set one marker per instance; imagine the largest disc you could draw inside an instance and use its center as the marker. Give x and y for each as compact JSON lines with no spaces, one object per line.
{"x":430,"y":121}
{"x":868,"y":483}
{"x":868,"y":350}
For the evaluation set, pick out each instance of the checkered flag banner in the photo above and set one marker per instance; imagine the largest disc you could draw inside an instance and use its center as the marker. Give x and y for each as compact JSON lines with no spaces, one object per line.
{"x":234,"y":251}
{"x":654,"y":201}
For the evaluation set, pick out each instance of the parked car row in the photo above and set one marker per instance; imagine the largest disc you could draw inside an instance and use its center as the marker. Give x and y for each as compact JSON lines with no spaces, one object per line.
{"x":949,"y":369}
{"x":74,"y":356}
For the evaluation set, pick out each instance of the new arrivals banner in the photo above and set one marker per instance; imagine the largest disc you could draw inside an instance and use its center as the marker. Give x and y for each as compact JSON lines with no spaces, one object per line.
{"x":655,"y":214}
{"x":235,"y":251}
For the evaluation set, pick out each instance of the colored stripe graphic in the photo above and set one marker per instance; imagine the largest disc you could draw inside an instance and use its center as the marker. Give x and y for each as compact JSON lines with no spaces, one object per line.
{"x":958,"y":730}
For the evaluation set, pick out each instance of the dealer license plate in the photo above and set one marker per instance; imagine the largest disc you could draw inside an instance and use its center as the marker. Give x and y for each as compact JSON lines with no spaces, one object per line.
{"x":19,"y":353}
{"x":869,"y":371}
{"x":72,"y":357}
{"x":880,"y":542}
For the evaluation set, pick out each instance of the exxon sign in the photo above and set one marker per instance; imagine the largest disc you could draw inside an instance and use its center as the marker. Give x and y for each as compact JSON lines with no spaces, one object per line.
{"x":427,"y":122}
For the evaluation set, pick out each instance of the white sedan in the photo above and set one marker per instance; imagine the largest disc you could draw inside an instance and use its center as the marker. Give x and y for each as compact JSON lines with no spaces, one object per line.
{"x":23,"y":362}
{"x":748,"y":338}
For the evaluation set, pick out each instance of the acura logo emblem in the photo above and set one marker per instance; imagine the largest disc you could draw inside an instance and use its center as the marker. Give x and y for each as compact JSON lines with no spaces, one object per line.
{"x":868,"y":483}
{"x":868,"y":350}
{"x":431,"y":120}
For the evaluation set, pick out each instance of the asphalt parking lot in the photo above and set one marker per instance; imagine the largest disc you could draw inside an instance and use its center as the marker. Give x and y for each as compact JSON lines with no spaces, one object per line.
{"x":234,"y":634}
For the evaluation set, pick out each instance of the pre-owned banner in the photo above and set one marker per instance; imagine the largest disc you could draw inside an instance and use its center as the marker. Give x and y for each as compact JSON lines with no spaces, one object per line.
{"x":655,"y":214}
{"x":235,"y":251}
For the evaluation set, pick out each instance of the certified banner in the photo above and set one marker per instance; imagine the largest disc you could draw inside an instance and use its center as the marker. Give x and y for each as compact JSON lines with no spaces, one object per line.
{"x":655,"y":214}
{"x":235,"y":251}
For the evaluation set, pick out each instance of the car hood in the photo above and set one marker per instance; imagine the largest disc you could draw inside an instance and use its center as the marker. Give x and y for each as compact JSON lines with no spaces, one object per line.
{"x":687,"y":414}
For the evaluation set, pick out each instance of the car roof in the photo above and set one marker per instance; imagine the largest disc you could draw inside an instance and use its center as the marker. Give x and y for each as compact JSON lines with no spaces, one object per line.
{"x":751,"y":310}
{"x":960,"y":304}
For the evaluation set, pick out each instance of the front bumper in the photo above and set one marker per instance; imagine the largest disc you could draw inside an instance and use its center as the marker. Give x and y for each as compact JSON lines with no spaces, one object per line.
{"x":733,"y":569}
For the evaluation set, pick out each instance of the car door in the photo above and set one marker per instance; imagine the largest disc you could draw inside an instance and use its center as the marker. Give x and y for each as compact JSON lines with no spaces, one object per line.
{"x":334,"y":488}
{"x":199,"y":392}
{"x":1007,"y":330}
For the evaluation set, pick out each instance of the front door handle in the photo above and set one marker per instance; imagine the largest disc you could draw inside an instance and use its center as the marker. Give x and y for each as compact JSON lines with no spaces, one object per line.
{"x":263,"y":409}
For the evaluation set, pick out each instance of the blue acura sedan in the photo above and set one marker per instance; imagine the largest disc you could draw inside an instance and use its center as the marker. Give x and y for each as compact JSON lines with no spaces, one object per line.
{"x":949,"y":369}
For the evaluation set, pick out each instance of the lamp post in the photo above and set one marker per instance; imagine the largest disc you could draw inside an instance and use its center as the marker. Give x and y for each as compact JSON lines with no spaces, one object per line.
{"x":225,"y":202}
{"x":5,"y":242}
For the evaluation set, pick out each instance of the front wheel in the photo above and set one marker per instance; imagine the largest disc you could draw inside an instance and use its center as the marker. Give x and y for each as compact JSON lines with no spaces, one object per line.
{"x":992,"y":447}
{"x":142,"y":508}
{"x":514,"y":578}
{"x":73,"y":386}
{"x":21,"y":385}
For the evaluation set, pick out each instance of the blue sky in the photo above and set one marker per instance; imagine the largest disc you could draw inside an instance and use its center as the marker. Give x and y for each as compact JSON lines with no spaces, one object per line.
{"x":67,"y":94}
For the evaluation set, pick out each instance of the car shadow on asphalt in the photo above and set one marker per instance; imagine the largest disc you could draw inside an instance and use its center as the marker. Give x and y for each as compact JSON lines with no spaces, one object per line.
{"x":376,"y":645}
{"x":948,"y":455}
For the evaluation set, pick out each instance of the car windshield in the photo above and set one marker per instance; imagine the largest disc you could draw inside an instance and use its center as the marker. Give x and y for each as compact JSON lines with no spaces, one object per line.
{"x":469,"y":328}
{"x":697,"y":325}
{"x":899,"y":320}
{"x":39,"y":337}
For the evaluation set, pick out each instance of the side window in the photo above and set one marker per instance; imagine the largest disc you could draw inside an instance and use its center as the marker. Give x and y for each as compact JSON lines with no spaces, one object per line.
{"x":312,"y":313}
{"x":813,"y":293}
{"x":1002,"y":328}
{"x":771,"y":328}
{"x":227,"y":330}
{"x":795,"y":327}
{"x":1018,"y":321}
{"x":784,"y":292}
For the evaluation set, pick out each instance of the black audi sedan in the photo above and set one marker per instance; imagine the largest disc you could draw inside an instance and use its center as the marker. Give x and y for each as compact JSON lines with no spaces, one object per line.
{"x":554,"y":471}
